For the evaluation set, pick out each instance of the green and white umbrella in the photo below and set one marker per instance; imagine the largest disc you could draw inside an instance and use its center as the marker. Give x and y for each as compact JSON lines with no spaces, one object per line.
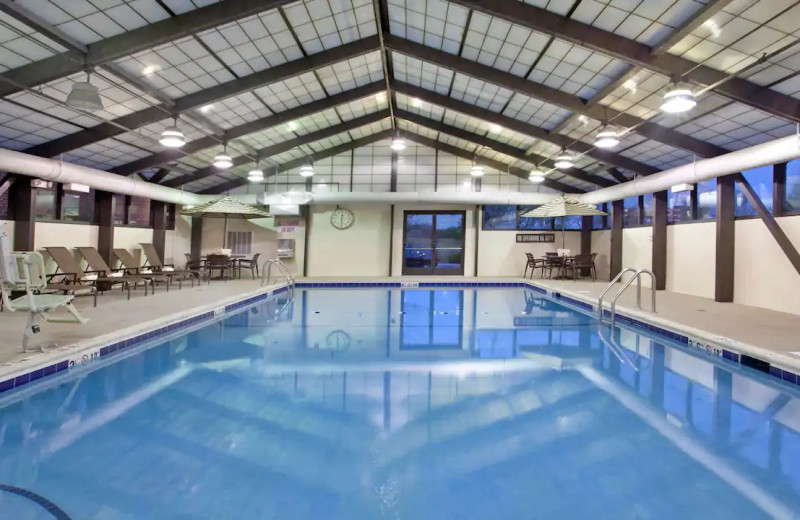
{"x":226,"y":207}
{"x":564,"y":207}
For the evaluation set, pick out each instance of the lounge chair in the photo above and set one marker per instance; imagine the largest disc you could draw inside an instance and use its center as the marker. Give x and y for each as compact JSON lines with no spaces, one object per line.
{"x":69,"y":271}
{"x":154,"y":260}
{"x":132,"y":266}
{"x":99,"y":265}
{"x":25,"y":272}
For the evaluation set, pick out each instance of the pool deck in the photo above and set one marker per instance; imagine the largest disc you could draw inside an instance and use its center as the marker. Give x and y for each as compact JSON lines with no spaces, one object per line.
{"x":774,"y":334}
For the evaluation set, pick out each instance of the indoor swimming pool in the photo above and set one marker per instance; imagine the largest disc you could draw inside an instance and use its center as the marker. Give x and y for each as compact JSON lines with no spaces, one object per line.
{"x":379,"y":403}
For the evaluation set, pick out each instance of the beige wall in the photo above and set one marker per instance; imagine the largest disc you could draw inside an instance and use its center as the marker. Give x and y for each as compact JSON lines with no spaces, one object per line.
{"x":499,"y":254}
{"x":178,"y":241}
{"x":601,"y":244}
{"x":360,"y":250}
{"x":637,"y":250}
{"x":691,"y":250}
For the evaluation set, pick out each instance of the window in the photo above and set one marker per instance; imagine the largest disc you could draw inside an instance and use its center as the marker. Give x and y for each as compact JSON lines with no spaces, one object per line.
{"x":630,"y":212}
{"x":792,"y":200}
{"x":707,"y":199}
{"x":139,"y":212}
{"x":647,"y":209}
{"x":120,"y":201}
{"x":599,"y":222}
{"x":573,"y":222}
{"x":500,"y":217}
{"x":529,"y":223}
{"x":240,"y":242}
{"x":46,"y":203}
{"x":760,"y":180}
{"x":77,"y":206}
{"x":679,"y":206}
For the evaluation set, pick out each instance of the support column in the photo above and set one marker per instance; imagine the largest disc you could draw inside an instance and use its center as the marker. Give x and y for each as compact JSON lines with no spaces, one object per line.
{"x":660,"y":239}
{"x":393,"y":178}
{"x":586,"y":235}
{"x":158,"y":211}
{"x":104,"y":204}
{"x":726,"y":236}
{"x":616,"y":239}
{"x":196,"y":240}
{"x":23,"y":208}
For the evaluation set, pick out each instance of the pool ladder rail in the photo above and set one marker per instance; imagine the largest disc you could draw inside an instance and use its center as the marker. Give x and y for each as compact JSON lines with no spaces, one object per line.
{"x":266,"y":273}
{"x":615,"y":348}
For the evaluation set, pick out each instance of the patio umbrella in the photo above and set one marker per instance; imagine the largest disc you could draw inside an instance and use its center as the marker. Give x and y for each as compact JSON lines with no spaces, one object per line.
{"x":226,"y":207}
{"x":564,"y":207}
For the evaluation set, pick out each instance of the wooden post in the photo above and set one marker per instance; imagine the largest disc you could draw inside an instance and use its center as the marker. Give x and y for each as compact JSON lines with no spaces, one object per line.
{"x":586,"y":235}
{"x":158,"y":211}
{"x":105,"y":219}
{"x":23,"y":207}
{"x":616,"y":239}
{"x":726,"y":236}
{"x":196,"y":240}
{"x":660,"y":239}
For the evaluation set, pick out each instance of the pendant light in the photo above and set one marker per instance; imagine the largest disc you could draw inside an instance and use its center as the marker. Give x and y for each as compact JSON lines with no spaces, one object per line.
{"x":222,"y":160}
{"x":84,"y":95}
{"x":307,"y":170}
{"x":536,"y":176}
{"x":678,"y":98}
{"x":477,"y":170}
{"x":172,"y":137}
{"x":607,"y":137}
{"x":255,"y":175}
{"x":565,"y":161}
{"x":398,"y":145}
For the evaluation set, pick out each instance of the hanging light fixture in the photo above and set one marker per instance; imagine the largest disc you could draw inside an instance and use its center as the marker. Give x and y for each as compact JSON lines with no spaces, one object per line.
{"x":477,"y":170}
{"x":565,"y":161}
{"x":678,"y":98}
{"x":84,"y":95}
{"x":536,"y":176}
{"x":222,"y":160}
{"x":172,"y":137}
{"x":607,"y":137}
{"x":255,"y":175}
{"x":307,"y":170}
{"x":398,"y":145}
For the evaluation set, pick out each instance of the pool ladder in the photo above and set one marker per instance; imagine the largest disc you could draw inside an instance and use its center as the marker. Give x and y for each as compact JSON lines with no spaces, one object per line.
{"x":266,"y":273}
{"x":610,"y":341}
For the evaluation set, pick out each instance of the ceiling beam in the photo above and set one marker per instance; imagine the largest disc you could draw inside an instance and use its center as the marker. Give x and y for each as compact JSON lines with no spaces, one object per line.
{"x":605,"y":156}
{"x":159,"y":175}
{"x":500,"y":147}
{"x":553,"y":96}
{"x":125,"y":44}
{"x":316,"y":156}
{"x":285,"y":146}
{"x":166,"y":156}
{"x":617,"y":174}
{"x":204,"y":97}
{"x":639,"y":54}
{"x":491,"y":163}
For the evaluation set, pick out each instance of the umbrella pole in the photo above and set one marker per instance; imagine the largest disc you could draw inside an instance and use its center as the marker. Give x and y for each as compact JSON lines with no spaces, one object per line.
{"x":225,"y":232}
{"x":563,"y":227}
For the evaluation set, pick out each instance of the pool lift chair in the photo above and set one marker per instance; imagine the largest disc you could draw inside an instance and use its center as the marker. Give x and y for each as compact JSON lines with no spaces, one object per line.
{"x":25,"y":272}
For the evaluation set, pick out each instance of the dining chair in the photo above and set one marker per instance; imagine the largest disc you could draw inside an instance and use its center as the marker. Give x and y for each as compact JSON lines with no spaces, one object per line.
{"x":221,"y":263}
{"x":533,"y":264}
{"x":582,"y":264}
{"x":245,"y":263}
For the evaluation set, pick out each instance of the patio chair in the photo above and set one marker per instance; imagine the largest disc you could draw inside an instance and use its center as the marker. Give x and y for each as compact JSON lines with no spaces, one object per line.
{"x":152,"y":258}
{"x":192,"y":265}
{"x":533,"y":264}
{"x":98,"y":264}
{"x":583,"y":265}
{"x":221,"y":263}
{"x":132,"y":266}
{"x":69,"y":271}
{"x":25,"y":272}
{"x":552,"y":261}
{"x":252,"y":264}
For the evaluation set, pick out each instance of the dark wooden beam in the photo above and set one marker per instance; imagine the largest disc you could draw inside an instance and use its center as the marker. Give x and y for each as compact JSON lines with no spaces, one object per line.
{"x":6,"y":183}
{"x":23,"y":208}
{"x":159,"y":175}
{"x":615,"y":261}
{"x":586,"y":235}
{"x":393,"y":172}
{"x":617,"y":175}
{"x":726,"y":236}
{"x":659,"y":262}
{"x":772,"y":225}
{"x":196,"y":240}
{"x":779,"y":189}
{"x":104,"y":204}
{"x":158,"y":211}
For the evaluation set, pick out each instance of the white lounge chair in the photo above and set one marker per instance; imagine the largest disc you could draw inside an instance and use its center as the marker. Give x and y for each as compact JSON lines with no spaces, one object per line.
{"x":25,"y":272}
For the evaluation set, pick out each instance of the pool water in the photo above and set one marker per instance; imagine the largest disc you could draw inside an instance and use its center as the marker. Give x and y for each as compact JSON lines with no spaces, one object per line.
{"x":405,"y":404}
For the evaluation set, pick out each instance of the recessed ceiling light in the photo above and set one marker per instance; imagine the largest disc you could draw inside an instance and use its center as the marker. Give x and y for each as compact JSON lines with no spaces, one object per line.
{"x":291,"y":126}
{"x":206,"y":109}
{"x":380,"y":97}
{"x":495,"y":129}
{"x":416,"y":102}
{"x":630,"y":85}
{"x":150,"y":70}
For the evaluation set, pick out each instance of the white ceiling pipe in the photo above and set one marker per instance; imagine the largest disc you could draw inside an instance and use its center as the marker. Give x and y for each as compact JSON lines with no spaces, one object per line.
{"x":64,"y":172}
{"x":773,"y":152}
{"x":511,"y":198}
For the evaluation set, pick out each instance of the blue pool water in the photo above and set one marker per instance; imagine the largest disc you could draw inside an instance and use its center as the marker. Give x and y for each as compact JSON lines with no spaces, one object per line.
{"x":404,"y":404}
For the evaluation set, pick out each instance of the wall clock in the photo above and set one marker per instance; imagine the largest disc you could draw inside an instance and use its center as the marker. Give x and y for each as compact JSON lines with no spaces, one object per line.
{"x":342,"y":218}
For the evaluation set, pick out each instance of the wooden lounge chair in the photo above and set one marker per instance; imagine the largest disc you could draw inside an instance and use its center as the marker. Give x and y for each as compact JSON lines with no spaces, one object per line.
{"x":99,"y":265}
{"x":69,"y":271}
{"x":25,"y":272}
{"x":156,"y":265}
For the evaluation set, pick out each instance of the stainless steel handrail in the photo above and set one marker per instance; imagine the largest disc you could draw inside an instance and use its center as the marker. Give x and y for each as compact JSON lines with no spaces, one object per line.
{"x":637,"y":275}
{"x":608,"y":288}
{"x":266,"y":273}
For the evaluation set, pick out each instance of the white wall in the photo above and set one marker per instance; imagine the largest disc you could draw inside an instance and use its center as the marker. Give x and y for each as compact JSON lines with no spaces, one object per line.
{"x":178,"y":241}
{"x":499,"y":254}
{"x":49,"y":234}
{"x":129,"y":238}
{"x":637,"y":250}
{"x":691,"y":253}
{"x":360,"y":250}
{"x":601,"y":244}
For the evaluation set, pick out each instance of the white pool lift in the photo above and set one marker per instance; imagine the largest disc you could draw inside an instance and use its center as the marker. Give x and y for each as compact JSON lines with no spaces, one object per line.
{"x":25,"y":272}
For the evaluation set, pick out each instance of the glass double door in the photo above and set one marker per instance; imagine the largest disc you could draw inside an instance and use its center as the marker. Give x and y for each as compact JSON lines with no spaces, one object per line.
{"x":433,"y":243}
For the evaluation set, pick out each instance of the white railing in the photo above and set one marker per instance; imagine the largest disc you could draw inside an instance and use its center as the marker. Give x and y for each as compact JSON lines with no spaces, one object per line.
{"x":637,"y":275}
{"x":266,"y":273}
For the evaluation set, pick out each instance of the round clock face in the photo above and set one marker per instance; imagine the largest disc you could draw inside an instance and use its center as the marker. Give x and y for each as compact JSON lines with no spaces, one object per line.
{"x":342,"y":218}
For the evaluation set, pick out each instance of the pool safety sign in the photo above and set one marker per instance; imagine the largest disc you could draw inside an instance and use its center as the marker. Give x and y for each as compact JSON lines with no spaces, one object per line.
{"x":287,"y":225}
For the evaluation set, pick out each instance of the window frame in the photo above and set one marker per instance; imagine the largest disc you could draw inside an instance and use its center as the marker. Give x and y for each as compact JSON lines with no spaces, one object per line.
{"x":517,"y":228}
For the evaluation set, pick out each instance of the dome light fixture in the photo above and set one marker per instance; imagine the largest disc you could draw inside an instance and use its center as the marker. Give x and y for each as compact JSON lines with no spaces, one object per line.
{"x":678,"y":98}
{"x":84,"y":95}
{"x":222,"y":160}
{"x":307,"y":171}
{"x":607,"y":137}
{"x":172,"y":137}
{"x":255,"y":175}
{"x":477,"y":170}
{"x":398,"y":145}
{"x":536,"y":176}
{"x":565,"y":161}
